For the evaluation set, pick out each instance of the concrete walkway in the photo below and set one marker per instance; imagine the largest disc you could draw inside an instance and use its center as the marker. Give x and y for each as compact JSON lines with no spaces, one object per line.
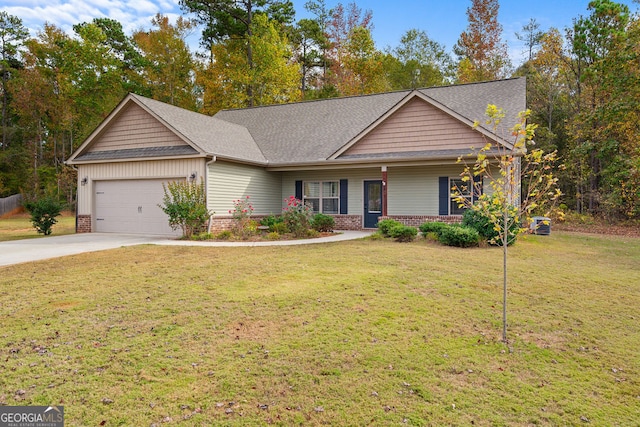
{"x":19,"y":251}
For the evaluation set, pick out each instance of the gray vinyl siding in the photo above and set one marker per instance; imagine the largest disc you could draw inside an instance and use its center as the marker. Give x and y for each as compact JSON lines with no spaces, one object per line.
{"x":414,"y":190}
{"x":232,"y":181}
{"x":356,"y":178}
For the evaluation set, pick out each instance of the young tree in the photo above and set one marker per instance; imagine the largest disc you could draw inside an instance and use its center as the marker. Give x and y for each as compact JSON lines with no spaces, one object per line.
{"x":520,"y":178}
{"x":480,"y":49}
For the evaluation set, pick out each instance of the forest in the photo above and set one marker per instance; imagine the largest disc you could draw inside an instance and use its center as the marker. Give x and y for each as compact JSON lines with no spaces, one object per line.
{"x":583,"y":81}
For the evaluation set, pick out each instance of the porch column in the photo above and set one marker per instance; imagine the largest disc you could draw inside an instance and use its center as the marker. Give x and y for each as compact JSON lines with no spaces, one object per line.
{"x":384,"y":191}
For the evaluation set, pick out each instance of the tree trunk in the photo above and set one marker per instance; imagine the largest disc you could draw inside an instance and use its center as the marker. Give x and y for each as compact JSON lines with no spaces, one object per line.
{"x":505,"y":241}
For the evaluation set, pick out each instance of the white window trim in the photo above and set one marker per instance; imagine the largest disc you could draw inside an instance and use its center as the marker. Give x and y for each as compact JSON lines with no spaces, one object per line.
{"x":451,"y":196}
{"x":320,"y":197}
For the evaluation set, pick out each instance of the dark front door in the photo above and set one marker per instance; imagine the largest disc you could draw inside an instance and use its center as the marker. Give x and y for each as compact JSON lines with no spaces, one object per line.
{"x":372,"y":203}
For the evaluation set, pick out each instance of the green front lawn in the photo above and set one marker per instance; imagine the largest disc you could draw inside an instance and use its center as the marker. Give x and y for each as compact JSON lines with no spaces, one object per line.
{"x":368,"y":332}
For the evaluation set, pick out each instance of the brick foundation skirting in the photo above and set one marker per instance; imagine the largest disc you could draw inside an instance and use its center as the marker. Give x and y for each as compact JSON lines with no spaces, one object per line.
{"x":417,"y":220}
{"x":343,"y":222}
{"x":84,"y":224}
{"x":348,"y":222}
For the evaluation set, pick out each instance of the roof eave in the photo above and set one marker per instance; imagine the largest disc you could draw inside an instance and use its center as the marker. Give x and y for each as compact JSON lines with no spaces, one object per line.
{"x":71,"y":162}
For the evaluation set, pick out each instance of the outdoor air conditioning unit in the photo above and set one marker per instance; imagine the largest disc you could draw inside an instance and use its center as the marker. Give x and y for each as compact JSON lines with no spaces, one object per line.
{"x":540,"y":225}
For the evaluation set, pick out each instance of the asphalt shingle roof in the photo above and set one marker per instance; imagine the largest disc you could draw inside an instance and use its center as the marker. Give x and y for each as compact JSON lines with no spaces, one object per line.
{"x":315,"y":130}
{"x":210,"y":134}
{"x":305,"y":132}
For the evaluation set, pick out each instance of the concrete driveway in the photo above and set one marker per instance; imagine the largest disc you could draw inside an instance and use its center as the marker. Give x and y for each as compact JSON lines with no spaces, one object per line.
{"x":18,"y":251}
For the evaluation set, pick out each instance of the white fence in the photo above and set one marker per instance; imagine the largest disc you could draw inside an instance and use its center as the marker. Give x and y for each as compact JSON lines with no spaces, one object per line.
{"x":10,"y":203}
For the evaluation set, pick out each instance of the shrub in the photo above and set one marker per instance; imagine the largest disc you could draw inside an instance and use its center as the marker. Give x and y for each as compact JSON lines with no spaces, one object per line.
{"x":386,"y":225}
{"x":241,"y":214}
{"x":323,"y":223}
{"x":224,"y":235}
{"x":280,"y":228}
{"x":43,"y":214}
{"x":271,"y":220}
{"x":273,"y":236}
{"x":185,"y":205}
{"x":432,"y":227}
{"x":312,"y":234}
{"x":482,"y":223}
{"x":403,"y":233}
{"x":202,"y":236}
{"x":297,"y":216}
{"x":460,"y":236}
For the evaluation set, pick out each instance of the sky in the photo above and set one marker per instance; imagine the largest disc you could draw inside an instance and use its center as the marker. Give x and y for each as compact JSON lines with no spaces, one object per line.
{"x":443,"y":21}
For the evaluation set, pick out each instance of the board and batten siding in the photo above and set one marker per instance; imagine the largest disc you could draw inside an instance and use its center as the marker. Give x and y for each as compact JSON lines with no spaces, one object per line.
{"x":232,"y":181}
{"x":414,"y":190}
{"x":156,"y":169}
{"x":135,"y":128}
{"x":417,"y":126}
{"x":355,"y":177}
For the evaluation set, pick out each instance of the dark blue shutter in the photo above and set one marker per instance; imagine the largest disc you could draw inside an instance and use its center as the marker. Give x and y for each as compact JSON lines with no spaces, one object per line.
{"x":477,"y":187}
{"x":343,"y":196}
{"x":443,"y":195}
{"x":299,"y":190}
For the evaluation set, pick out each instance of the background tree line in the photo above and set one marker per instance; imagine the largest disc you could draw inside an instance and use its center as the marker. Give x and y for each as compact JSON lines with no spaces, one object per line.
{"x":583,"y":81}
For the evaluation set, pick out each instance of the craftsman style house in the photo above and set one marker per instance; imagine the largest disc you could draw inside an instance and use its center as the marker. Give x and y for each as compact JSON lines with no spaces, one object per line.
{"x":357,"y":158}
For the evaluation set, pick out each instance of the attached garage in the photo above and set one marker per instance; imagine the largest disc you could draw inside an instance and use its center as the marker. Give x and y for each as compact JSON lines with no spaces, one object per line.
{"x":123,"y":164}
{"x":131,"y":206}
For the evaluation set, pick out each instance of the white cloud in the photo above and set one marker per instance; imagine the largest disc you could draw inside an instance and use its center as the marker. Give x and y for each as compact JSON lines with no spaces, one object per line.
{"x":132,"y":14}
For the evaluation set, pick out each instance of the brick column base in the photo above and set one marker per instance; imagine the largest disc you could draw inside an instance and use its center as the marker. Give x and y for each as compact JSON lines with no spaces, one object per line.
{"x":84,"y":224}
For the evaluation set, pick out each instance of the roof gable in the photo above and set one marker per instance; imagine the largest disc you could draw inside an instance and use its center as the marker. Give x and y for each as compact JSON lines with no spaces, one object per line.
{"x":416,"y":126}
{"x":140,"y":128}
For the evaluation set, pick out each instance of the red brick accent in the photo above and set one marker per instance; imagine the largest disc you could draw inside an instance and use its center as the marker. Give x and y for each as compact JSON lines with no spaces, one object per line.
{"x":83,"y":224}
{"x":343,"y":222}
{"x":417,"y":220}
{"x":348,"y":222}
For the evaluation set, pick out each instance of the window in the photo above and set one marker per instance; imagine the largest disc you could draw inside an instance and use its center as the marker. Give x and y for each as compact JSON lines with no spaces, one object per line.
{"x":322,"y":196}
{"x":459,"y":188}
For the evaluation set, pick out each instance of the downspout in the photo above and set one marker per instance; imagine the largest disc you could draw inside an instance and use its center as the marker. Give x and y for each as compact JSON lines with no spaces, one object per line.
{"x":206,"y":186}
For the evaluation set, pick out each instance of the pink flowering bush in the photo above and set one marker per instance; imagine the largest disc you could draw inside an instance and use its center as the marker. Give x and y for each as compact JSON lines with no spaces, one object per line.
{"x":297,"y":216}
{"x":241,"y":214}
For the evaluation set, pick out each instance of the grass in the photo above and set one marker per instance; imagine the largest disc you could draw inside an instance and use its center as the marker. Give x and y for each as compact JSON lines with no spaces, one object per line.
{"x":355,"y":333}
{"x":18,"y":227}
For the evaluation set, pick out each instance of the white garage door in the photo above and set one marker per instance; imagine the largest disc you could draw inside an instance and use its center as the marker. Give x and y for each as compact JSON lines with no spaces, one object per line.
{"x":131,"y":206}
